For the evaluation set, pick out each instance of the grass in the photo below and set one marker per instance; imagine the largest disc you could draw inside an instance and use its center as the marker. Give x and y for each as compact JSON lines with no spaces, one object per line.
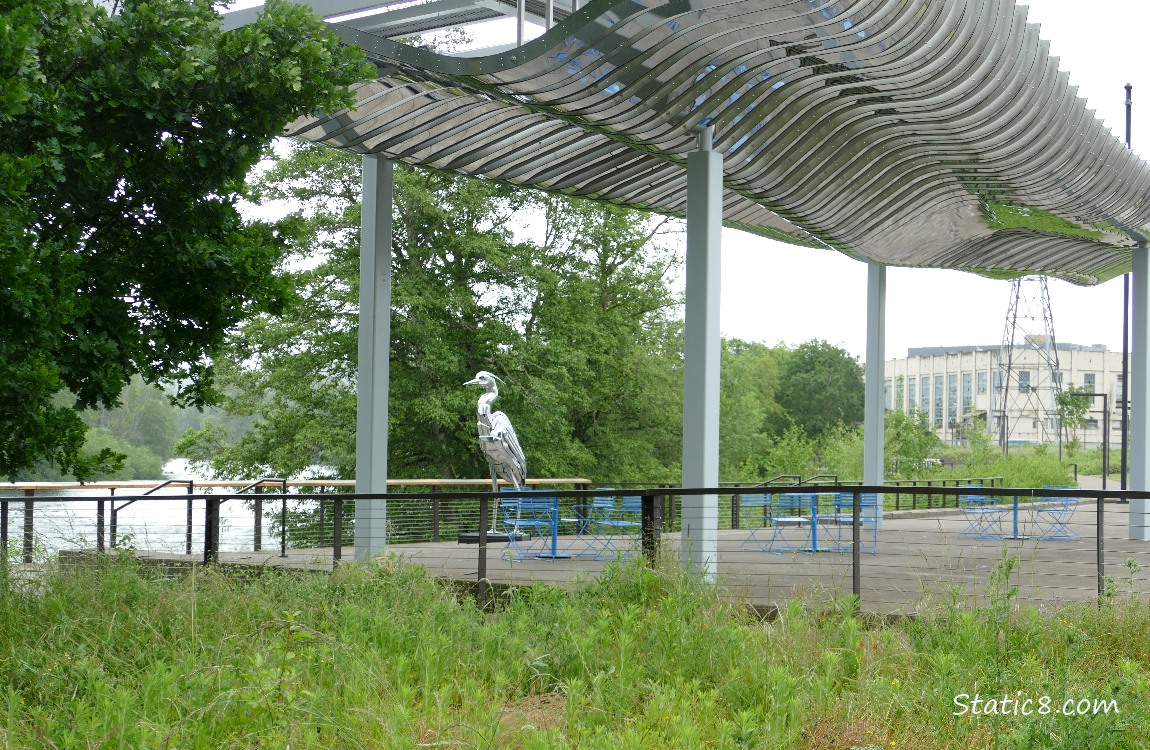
{"x":384,"y":656}
{"x":1031,"y":466}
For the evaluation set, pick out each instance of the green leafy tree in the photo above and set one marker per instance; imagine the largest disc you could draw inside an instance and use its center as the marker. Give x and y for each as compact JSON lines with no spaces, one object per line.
{"x":579,"y":325}
{"x":841,"y":452}
{"x":127,"y":134}
{"x":908,"y":442}
{"x":982,"y":451}
{"x":602,"y":340}
{"x":749,"y":413}
{"x":1072,"y":406}
{"x":145,"y":417}
{"x":821,"y":385}
{"x":793,"y":452}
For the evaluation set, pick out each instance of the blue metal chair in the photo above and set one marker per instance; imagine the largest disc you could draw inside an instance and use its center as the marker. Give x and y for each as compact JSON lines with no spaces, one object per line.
{"x":983,"y":516}
{"x":612,"y":524}
{"x":588,"y":538}
{"x":791,"y":510}
{"x":528,"y":523}
{"x":756,"y":511}
{"x":843,"y":519}
{"x":1052,"y":516}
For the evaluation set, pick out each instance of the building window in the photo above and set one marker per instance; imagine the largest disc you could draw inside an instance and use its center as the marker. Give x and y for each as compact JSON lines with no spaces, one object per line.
{"x":998,"y":381}
{"x":938,"y":401}
{"x":967,"y":394}
{"x":886,"y":394}
{"x":924,"y":399}
{"x":1088,"y":385}
{"x":1024,"y":381}
{"x":1058,"y":378}
{"x":1092,"y":424}
{"x":899,"y":386}
{"x":952,"y":399}
{"x":911,"y":392}
{"x":1119,"y":391}
{"x":982,"y":384}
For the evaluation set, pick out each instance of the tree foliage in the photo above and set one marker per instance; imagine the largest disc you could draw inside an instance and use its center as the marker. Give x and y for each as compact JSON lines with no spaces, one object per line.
{"x":821,"y":385}
{"x":909,"y":441}
{"x":1072,"y":406}
{"x":580,"y":323}
{"x":127,"y":136}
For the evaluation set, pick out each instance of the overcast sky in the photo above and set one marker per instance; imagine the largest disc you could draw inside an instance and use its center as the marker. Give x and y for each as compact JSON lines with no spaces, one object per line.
{"x":773,"y":292}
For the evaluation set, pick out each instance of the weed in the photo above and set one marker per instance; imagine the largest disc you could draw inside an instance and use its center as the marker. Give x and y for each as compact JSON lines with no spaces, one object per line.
{"x":384,"y":656}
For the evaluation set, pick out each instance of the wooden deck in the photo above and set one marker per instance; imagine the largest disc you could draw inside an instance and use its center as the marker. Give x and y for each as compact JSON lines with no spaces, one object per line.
{"x":922,"y":561}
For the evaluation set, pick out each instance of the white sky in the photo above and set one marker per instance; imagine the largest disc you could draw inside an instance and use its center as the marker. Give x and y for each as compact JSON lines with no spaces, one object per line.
{"x":773,"y":292}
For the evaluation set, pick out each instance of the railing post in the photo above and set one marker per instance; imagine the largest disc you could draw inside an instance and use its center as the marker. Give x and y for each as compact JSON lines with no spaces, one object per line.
{"x":1100,"y":519}
{"x":100,"y":520}
{"x":736,"y":509}
{"x":337,"y":532}
{"x":651,"y":523}
{"x":29,"y":525}
{"x":322,"y":520}
{"x":283,"y":524}
{"x":211,"y":530}
{"x":481,"y":569}
{"x":112,"y":525}
{"x":188,"y":521}
{"x":435,"y":515}
{"x":856,"y":558}
{"x":4,"y":531}
{"x":258,"y":523}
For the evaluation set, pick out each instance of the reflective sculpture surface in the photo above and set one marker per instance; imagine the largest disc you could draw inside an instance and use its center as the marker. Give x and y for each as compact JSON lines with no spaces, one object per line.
{"x":497,"y":438}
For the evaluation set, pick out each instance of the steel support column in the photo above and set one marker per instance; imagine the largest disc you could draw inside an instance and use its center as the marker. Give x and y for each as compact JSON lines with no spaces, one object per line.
{"x":875,"y":395}
{"x":1137,"y":392}
{"x":700,"y":513}
{"x":374,"y":353}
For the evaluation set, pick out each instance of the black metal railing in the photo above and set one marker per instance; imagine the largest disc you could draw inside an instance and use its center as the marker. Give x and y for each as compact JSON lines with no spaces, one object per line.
{"x":413,"y":524}
{"x":114,"y":525}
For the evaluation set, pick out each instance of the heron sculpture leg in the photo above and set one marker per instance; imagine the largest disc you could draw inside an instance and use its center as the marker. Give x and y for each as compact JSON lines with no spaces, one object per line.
{"x":495,"y":505}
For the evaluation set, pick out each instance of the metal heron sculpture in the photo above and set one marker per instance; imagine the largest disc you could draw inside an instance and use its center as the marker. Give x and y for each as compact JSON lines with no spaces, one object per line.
{"x":498,"y":440}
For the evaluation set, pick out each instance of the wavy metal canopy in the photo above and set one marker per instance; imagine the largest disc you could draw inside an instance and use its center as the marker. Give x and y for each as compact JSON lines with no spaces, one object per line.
{"x":923,"y":133}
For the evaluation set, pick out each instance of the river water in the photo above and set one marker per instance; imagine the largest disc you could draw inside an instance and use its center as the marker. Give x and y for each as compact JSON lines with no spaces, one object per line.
{"x":158,"y":522}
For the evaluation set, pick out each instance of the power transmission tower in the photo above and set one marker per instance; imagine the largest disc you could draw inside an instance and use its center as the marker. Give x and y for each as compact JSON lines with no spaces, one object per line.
{"x":1028,"y":379}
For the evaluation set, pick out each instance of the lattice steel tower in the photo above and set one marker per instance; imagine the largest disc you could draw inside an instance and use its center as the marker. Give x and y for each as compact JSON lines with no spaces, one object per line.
{"x":1028,"y":380}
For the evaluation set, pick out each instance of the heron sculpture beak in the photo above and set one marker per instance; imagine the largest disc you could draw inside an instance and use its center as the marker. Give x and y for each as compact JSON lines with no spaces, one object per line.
{"x":473,"y":382}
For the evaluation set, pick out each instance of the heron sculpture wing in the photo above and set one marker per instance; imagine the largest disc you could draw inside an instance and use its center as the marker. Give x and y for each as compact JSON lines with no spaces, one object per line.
{"x":504,"y":433}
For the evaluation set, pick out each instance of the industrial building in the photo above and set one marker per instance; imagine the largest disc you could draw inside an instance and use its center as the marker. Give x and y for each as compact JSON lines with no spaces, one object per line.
{"x":953,"y":385}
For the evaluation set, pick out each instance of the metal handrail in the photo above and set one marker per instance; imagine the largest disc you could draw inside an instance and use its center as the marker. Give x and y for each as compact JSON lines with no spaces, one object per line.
{"x":260,"y":483}
{"x":189,"y":483}
{"x":783,"y":479}
{"x":113,"y":521}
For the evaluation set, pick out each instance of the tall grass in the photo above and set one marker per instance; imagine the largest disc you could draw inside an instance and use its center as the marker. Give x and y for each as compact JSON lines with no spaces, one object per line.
{"x":384,"y":656}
